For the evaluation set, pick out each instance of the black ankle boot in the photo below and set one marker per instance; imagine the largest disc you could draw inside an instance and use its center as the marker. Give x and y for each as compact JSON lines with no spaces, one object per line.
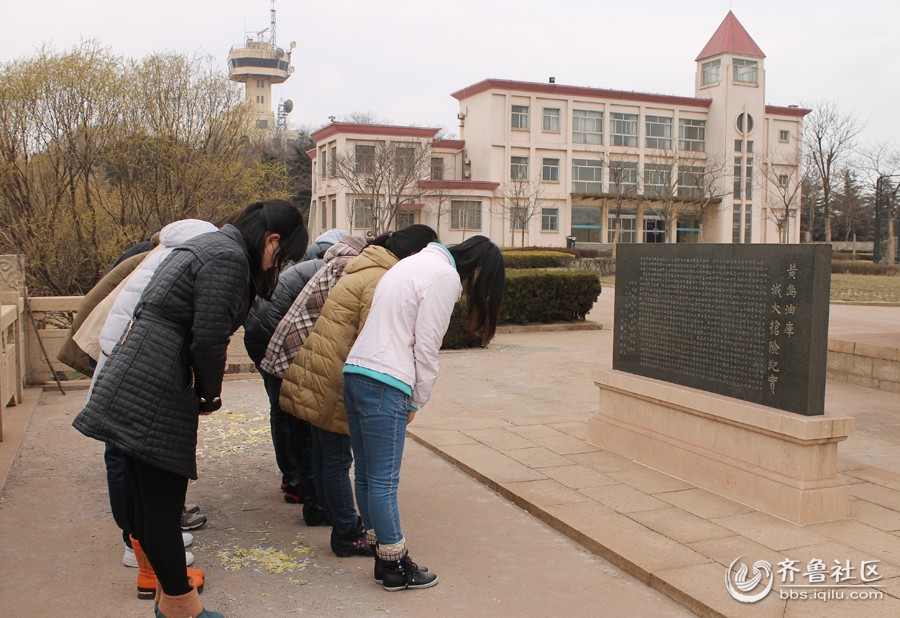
{"x":350,"y":543}
{"x":404,"y":574}
{"x":315,"y":514}
{"x":379,"y":565}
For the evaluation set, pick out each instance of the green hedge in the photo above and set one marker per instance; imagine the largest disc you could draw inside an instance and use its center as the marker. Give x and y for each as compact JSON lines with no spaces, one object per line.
{"x":536,"y":259}
{"x":548,"y":296}
{"x":532,"y":296}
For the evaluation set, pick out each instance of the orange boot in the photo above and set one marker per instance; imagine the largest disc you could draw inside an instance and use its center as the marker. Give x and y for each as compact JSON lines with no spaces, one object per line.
{"x":146,"y":579}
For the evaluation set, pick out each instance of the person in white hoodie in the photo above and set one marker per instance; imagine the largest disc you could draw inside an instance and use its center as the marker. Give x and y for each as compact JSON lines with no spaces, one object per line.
{"x":391,"y":370}
{"x":120,"y":314}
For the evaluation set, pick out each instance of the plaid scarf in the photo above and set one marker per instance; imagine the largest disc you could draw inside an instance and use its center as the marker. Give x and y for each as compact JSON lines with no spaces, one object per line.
{"x":298,"y":322}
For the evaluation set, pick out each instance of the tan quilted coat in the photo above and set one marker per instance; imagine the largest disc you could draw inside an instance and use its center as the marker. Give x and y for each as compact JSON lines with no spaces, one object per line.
{"x":313,"y":388}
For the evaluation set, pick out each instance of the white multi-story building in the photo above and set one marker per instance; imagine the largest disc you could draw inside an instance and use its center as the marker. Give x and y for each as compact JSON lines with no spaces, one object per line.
{"x":537,"y":162}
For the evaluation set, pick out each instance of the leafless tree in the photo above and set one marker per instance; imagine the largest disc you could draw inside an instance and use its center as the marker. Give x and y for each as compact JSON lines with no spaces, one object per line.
{"x":704,"y":182}
{"x":829,"y":138}
{"x":380,"y":178}
{"x":519,"y":204}
{"x":623,"y":185}
{"x":782,"y":186}
{"x":882,"y":160}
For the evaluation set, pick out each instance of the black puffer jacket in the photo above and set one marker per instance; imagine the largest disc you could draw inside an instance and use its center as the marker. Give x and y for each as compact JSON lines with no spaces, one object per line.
{"x":145,"y":401}
{"x":266,"y":314}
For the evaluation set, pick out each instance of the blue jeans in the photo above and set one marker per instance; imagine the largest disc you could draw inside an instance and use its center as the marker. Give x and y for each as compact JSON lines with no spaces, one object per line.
{"x":331,"y":460}
{"x":290,"y":438}
{"x":377,"y":414}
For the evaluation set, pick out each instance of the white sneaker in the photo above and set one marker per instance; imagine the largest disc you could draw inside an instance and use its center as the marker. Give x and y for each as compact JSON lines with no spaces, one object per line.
{"x":130,"y":560}
{"x":188,"y":538}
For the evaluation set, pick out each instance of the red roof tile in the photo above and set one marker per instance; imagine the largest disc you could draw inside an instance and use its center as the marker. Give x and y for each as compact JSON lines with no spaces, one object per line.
{"x":731,"y":38}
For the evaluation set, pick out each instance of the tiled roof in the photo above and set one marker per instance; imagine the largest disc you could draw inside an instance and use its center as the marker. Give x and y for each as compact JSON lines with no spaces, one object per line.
{"x":731,"y":38}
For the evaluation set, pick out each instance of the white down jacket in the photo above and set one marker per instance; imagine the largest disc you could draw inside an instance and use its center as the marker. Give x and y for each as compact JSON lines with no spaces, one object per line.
{"x":173,"y":235}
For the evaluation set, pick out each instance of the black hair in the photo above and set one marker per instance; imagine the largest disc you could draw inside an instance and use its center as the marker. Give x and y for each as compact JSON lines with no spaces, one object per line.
{"x":411,"y":239}
{"x":483,"y":275}
{"x":256,"y":222}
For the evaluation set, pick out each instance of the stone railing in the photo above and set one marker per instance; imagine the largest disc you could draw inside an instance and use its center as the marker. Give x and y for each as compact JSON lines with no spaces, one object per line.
{"x":34,"y":330}
{"x":43,"y":308}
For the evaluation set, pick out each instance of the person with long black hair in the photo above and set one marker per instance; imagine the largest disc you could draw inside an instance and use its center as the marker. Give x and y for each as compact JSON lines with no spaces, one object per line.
{"x":167,"y":371}
{"x":391,"y":370}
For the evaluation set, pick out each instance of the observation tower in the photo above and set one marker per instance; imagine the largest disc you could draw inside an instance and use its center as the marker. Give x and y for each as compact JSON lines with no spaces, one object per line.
{"x":258,"y":64}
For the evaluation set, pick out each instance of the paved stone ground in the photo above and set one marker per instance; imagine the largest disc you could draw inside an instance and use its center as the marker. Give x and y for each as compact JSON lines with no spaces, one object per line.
{"x":513,"y":417}
{"x":61,"y":555}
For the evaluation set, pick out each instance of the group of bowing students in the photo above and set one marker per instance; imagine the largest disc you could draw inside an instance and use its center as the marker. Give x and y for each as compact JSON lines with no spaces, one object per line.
{"x":346,"y":339}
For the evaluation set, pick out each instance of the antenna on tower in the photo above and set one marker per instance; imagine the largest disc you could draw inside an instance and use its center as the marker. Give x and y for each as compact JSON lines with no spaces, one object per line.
{"x":272,"y":25}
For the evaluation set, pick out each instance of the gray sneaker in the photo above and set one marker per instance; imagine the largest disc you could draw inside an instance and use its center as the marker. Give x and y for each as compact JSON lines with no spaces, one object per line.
{"x":192,"y":508}
{"x":192,"y":521}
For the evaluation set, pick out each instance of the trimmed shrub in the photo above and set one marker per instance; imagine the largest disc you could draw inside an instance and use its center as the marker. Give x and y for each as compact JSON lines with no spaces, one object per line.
{"x":857,"y":267}
{"x":537,"y":259}
{"x":458,"y":336}
{"x":548,"y":295}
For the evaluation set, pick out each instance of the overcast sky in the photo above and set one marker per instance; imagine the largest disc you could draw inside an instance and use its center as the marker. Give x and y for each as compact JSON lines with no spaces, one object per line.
{"x":401,"y":59}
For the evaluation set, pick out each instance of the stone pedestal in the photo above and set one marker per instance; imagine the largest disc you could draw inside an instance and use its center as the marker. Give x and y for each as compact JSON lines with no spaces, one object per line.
{"x":779,"y":462}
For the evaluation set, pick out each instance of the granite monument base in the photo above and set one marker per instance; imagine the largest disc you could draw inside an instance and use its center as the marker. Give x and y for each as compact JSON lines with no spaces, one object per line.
{"x":778,"y":462}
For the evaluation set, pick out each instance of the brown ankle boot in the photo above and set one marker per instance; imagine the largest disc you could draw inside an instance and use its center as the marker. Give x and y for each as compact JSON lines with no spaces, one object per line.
{"x":181,"y":606}
{"x":146,"y":579}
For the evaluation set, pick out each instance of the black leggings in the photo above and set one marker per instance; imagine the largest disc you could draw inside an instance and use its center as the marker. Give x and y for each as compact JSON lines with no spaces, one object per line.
{"x":158,"y":501}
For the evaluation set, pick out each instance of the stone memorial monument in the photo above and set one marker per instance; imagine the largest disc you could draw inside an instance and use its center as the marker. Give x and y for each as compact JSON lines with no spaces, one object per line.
{"x":719,"y":359}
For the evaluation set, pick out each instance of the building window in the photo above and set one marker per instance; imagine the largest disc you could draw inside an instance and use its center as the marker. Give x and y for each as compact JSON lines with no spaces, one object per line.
{"x":624,"y":129}
{"x":749,"y":146}
{"x":659,"y":132}
{"x":405,"y":218}
{"x":744,"y":121}
{"x":405,"y":159}
{"x":587,"y":176}
{"x":691,"y":134}
{"x":260,"y":99}
{"x":784,"y":136}
{"x":690,"y":181}
{"x":623,"y":177}
{"x":587,"y":126}
{"x":711,"y":72}
{"x":324,"y":217}
{"x":748,"y":176}
{"x":549,"y":219}
{"x":519,"y":116}
{"x":628,"y":233}
{"x":736,"y":224}
{"x":363,"y":214}
{"x":550,"y":170}
{"x":333,"y":213}
{"x":687,"y":229}
{"x":324,"y":169}
{"x":587,"y":223}
{"x":654,"y":229}
{"x":260,"y":83}
{"x":745,"y":70}
{"x":657,"y":180}
{"x":748,"y":224}
{"x":517,"y":217}
{"x":262,"y":124}
{"x":364,"y":159}
{"x":739,"y":145}
{"x":783,"y":180}
{"x":518,"y":168}
{"x":437,"y":168}
{"x":738,"y":170}
{"x":333,"y":170}
{"x":551,"y":119}
{"x":465,"y":215}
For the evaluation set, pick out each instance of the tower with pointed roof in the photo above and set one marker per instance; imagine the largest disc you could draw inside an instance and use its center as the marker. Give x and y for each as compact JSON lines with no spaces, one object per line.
{"x":731,"y":72}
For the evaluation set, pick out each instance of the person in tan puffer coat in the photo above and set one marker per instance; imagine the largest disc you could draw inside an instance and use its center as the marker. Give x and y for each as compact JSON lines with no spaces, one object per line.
{"x":313,"y":388}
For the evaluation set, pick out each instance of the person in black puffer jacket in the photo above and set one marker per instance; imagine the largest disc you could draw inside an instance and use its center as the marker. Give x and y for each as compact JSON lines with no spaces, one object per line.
{"x":168,"y":369}
{"x":290,"y":435}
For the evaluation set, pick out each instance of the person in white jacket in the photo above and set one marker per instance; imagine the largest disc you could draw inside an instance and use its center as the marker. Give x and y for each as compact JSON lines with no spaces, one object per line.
{"x":391,"y":370}
{"x":120,"y":314}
